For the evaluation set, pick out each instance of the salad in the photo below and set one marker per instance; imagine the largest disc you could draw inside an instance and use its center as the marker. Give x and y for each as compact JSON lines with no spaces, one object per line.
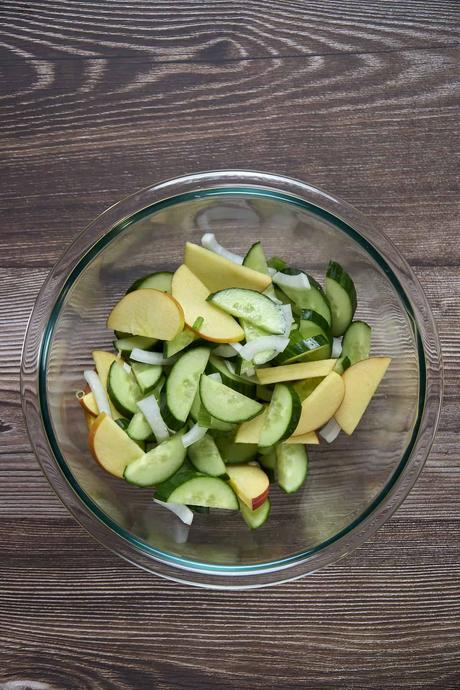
{"x":222,"y":374}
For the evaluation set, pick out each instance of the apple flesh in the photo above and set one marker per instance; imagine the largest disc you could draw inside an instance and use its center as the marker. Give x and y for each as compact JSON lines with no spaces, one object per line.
{"x":215,"y":325}
{"x":88,"y":403}
{"x":321,"y":404}
{"x":295,"y":372}
{"x":250,"y":484}
{"x":111,"y":446}
{"x":361,"y":381}
{"x":148,"y":312}
{"x":218,"y":273}
{"x":103,"y":361}
{"x":249,"y":432}
{"x":310,"y":438}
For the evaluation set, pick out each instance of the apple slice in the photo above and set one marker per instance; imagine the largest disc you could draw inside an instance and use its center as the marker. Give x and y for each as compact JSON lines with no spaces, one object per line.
{"x":147,"y":312}
{"x":103,"y":361}
{"x":310,"y":438}
{"x":295,"y":372}
{"x":88,"y":403}
{"x":89,"y":419}
{"x":218,"y":273}
{"x":250,"y":484}
{"x":249,"y":432}
{"x":321,"y":404}
{"x":209,"y":322}
{"x":361,"y":381}
{"x":111,"y":446}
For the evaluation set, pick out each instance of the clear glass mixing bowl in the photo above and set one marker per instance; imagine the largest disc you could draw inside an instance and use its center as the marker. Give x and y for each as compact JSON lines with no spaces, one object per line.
{"x":353,"y":485}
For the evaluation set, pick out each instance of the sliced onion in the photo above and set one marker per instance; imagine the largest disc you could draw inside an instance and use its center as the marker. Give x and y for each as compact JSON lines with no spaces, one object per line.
{"x":277,"y":343}
{"x":224,"y":351}
{"x":336,"y":348}
{"x":230,"y":366}
{"x":138,"y":355}
{"x":151,"y":411}
{"x":182,"y":511}
{"x":287,"y":313}
{"x":209,"y":241}
{"x":215,"y":377}
{"x":250,"y":370}
{"x":330,"y":431}
{"x":195,"y":434}
{"x":237,"y":347}
{"x":299,"y":280}
{"x":98,"y":390}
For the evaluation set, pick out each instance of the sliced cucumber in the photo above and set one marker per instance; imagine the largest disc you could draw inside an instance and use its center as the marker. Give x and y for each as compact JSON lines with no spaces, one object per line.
{"x":307,"y":386}
{"x":146,"y":375}
{"x":182,"y":385}
{"x":255,"y":518}
{"x":192,"y":488}
{"x":216,"y":365}
{"x":311,"y":323}
{"x":226,"y":404}
{"x":180,"y":342}
{"x":254,"y":307}
{"x":256,"y":259}
{"x":200,"y":415}
{"x":277,"y":263}
{"x":139,"y":429}
{"x":282,"y":416}
{"x":122,"y":423}
{"x":158,"y":464}
{"x":302,"y":349}
{"x":291,"y":466}
{"x":160,"y":281}
{"x":341,"y":293}
{"x":205,"y":456}
{"x":235,"y":453}
{"x":268,"y":462}
{"x":123,"y":389}
{"x":252,"y":333}
{"x":342,"y":364}
{"x":309,"y":298}
{"x":264,"y":392}
{"x":356,"y":343}
{"x":127,"y":344}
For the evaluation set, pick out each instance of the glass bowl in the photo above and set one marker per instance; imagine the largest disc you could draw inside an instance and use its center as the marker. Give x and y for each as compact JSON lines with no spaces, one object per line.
{"x":353,"y":485}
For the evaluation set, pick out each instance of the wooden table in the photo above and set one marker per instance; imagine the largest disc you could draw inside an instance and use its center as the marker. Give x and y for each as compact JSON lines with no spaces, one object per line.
{"x":359,"y":97}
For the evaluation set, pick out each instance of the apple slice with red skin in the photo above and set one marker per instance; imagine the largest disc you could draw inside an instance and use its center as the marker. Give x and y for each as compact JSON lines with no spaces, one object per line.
{"x":250,"y":484}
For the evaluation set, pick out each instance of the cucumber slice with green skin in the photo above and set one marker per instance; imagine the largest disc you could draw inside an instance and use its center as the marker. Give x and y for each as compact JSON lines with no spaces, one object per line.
{"x":311,"y":323}
{"x":291,"y":466}
{"x":203,"y":418}
{"x":264,"y":392}
{"x":342,"y":364}
{"x":123,"y":424}
{"x":307,"y":386}
{"x":146,"y":375}
{"x":302,"y":349}
{"x":341,"y":293}
{"x":226,"y":404}
{"x":277,"y":263}
{"x":139,"y":429}
{"x":356,"y":343}
{"x":160,"y":281}
{"x":182,"y":385}
{"x":252,"y":333}
{"x":254,"y":307}
{"x":309,"y":298}
{"x":180,"y":342}
{"x":235,"y":453}
{"x":238,"y":383}
{"x":268,"y":462}
{"x":205,"y":456}
{"x":282,"y":416}
{"x":255,"y":518}
{"x":192,"y":488}
{"x":199,"y":509}
{"x":158,"y":464}
{"x":127,"y":344}
{"x":256,"y":259}
{"x":123,"y":390}
{"x":121,"y":334}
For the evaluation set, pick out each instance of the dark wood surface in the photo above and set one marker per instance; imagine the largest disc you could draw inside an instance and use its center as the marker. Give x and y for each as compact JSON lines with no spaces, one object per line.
{"x":100,"y":98}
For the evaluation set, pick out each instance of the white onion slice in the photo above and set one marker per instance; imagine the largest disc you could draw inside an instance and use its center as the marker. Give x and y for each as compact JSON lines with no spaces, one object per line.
{"x":98,"y":390}
{"x":278,"y":343}
{"x":287,"y":313}
{"x":215,"y":377}
{"x":336,"y":348}
{"x":183,"y":512}
{"x":151,"y":411}
{"x":299,"y":280}
{"x":330,"y":431}
{"x":209,"y":241}
{"x":237,"y":347}
{"x":138,"y":355}
{"x":230,"y":366}
{"x":195,"y":434}
{"x":224,"y":351}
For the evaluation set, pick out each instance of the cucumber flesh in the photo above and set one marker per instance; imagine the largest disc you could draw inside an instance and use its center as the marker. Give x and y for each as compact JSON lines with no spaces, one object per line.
{"x":309,"y":298}
{"x":356,"y":343}
{"x":159,"y":281}
{"x":139,"y":429}
{"x":182,"y":385}
{"x":205,"y":457}
{"x":302,"y":349}
{"x":180,"y":342}
{"x":216,"y":365}
{"x":282,"y":416}
{"x":128,"y":343}
{"x":146,"y":375}
{"x":192,"y":488}
{"x":341,"y":293}
{"x":123,"y":390}
{"x":254,"y":307}
{"x":158,"y":464}
{"x":255,"y":518}
{"x":311,"y":323}
{"x":235,"y":453}
{"x":226,"y":404}
{"x":200,"y":415}
{"x":256,"y":259}
{"x":291,"y":466}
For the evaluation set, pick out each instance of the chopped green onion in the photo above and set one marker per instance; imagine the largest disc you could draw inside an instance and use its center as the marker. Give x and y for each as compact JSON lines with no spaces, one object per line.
{"x":198,"y":323}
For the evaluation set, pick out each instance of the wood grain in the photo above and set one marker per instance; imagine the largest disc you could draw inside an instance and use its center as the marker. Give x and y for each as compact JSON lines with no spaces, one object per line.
{"x":100,"y":98}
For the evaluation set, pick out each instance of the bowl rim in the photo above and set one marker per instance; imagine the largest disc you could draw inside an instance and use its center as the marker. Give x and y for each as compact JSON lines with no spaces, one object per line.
{"x":112,"y":223}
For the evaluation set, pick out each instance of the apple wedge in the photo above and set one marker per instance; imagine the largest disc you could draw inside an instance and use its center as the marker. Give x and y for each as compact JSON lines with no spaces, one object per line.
{"x":111,"y":446}
{"x":89,"y":419}
{"x":310,"y":438}
{"x":103,"y":361}
{"x":148,"y":312}
{"x":88,"y":403}
{"x":249,"y":432}
{"x":295,"y":372}
{"x":209,"y":322}
{"x":218,"y":273}
{"x":250,"y":484}
{"x":321,"y":404}
{"x":361,"y":381}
